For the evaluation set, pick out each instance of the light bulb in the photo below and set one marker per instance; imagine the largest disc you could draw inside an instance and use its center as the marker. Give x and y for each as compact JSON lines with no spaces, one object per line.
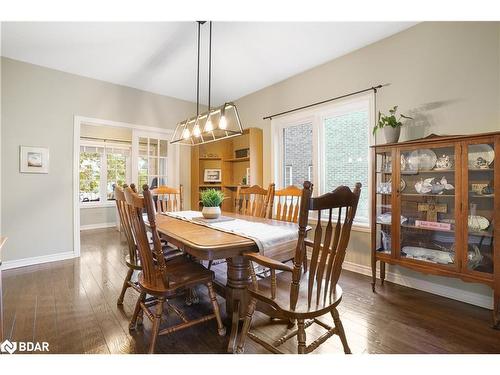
{"x":185,"y":134}
{"x":208,"y":126}
{"x":196,"y":130}
{"x":223,"y":123}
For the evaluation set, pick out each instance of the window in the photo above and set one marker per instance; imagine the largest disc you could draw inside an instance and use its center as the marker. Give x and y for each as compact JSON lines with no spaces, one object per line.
{"x":328,"y":146}
{"x":346,"y":154}
{"x":102,"y":168}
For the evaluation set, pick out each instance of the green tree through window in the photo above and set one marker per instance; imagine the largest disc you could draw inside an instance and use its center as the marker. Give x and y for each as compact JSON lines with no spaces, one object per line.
{"x":90,"y":176}
{"x":117,"y":168}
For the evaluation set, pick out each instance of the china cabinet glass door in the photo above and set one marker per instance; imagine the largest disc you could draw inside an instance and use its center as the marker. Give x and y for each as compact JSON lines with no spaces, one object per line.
{"x":479,"y":166}
{"x":383,"y":201}
{"x":427,"y":206}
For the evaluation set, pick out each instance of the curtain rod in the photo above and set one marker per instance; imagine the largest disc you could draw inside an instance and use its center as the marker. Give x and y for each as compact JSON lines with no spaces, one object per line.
{"x":374,"y":88}
{"x":105,"y":139}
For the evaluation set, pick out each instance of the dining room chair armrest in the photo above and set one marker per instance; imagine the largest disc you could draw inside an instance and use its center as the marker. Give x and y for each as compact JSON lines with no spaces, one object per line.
{"x":268,"y":262}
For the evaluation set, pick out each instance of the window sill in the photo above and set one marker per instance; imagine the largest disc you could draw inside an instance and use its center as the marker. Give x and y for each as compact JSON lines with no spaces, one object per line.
{"x":98,"y":205}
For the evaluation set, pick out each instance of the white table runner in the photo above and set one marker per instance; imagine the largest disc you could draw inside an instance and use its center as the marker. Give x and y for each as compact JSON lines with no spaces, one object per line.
{"x":266,"y":236}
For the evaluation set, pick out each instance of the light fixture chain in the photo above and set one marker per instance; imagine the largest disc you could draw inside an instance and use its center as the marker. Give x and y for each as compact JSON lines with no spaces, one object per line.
{"x":209,"y":66}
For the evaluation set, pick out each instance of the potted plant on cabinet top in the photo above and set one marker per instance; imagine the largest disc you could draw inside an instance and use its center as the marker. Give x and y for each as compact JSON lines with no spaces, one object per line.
{"x":211,"y":200}
{"x":391,"y":125}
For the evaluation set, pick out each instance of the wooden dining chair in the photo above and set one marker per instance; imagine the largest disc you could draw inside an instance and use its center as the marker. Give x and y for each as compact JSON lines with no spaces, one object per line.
{"x":287,"y":206}
{"x":287,"y":203}
{"x":168,"y":199}
{"x":254,"y":201}
{"x":294,"y":295}
{"x":132,"y":257}
{"x":161,"y":279}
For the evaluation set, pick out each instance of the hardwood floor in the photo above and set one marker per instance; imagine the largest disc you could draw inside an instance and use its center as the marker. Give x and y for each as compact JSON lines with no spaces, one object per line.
{"x":72,"y":305}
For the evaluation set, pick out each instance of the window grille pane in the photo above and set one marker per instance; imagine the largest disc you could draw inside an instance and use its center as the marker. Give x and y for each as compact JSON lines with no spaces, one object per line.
{"x":117,"y":169}
{"x":90,"y":176}
{"x":297,"y":148}
{"x":347,"y":155}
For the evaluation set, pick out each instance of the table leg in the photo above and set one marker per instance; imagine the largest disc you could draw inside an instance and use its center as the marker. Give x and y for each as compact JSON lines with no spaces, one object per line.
{"x":238,"y":278}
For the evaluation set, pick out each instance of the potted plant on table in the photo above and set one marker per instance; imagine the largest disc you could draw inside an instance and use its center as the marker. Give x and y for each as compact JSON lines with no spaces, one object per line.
{"x":391,"y":125}
{"x":211,"y":200}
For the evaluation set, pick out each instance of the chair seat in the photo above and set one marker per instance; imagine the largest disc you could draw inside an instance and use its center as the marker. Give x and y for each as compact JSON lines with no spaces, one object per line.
{"x":182,"y":272}
{"x":170,"y":253}
{"x":281,"y":303}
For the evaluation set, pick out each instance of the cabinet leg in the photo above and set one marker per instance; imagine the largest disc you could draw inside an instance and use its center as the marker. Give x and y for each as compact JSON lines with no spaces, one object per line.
{"x":382,"y":272}
{"x":374,"y":272}
{"x":496,"y":311}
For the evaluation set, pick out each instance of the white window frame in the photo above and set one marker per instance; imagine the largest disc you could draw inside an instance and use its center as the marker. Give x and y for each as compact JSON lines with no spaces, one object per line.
{"x":173,"y":172}
{"x":103,"y":183}
{"x":316,"y":117}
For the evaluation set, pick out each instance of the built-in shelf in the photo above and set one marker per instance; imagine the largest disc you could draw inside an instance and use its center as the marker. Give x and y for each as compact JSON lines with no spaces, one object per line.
{"x":222,"y":155}
{"x":236,"y":186}
{"x":210,"y":185}
{"x":236,"y":160}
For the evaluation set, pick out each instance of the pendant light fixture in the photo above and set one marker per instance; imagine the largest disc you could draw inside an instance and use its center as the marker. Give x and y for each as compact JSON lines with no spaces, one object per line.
{"x":215,"y":124}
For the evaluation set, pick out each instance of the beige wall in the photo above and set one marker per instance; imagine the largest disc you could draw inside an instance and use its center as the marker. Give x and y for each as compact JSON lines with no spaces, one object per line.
{"x":446,"y":75}
{"x":38,"y":105}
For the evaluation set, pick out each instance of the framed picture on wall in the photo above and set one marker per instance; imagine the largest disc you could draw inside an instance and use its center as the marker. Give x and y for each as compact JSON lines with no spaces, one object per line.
{"x":212,"y":175}
{"x":33,"y":159}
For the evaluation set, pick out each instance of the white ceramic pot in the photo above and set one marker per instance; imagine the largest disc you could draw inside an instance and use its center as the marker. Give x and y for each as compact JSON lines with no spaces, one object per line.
{"x":392,"y":134}
{"x":211,"y":212}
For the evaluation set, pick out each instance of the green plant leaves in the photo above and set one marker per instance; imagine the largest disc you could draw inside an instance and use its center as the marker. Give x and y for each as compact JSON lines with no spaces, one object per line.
{"x":211,"y":198}
{"x":384,"y":120}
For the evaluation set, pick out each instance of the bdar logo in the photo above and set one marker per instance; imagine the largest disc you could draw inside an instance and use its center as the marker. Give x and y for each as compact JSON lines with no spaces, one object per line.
{"x":8,"y":347}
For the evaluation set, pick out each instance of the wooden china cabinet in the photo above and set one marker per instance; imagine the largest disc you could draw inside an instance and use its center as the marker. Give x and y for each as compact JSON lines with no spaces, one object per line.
{"x":436,"y":208}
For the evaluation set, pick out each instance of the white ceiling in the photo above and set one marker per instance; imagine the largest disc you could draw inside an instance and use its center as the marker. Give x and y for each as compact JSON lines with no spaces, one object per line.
{"x":161,"y":57}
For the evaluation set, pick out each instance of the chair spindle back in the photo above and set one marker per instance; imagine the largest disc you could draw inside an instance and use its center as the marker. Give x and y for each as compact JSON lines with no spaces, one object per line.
{"x":255,"y":201}
{"x":328,"y":250}
{"x":126,"y":225}
{"x":169,"y":199}
{"x":288,"y":203}
{"x":152,"y":264}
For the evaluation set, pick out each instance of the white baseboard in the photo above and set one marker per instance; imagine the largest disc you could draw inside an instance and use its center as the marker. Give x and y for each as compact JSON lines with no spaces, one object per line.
{"x":9,"y":264}
{"x":426,"y":286}
{"x":97,"y":226}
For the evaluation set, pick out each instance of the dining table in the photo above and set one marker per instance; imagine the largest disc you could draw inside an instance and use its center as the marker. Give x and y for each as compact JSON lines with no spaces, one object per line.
{"x":207,"y":243}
